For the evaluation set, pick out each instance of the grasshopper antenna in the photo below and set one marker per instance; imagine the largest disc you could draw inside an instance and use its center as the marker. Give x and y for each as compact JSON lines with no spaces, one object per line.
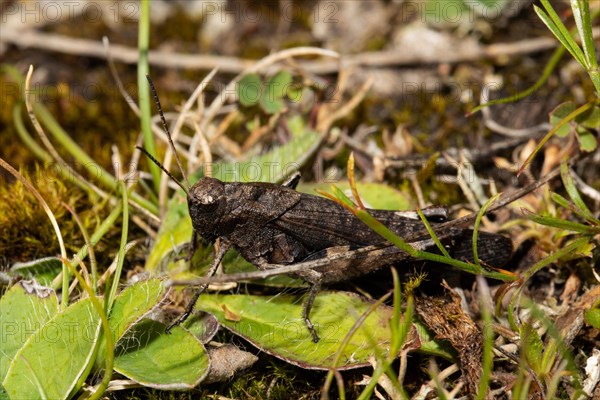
{"x":166,"y":129}
{"x":155,"y":161}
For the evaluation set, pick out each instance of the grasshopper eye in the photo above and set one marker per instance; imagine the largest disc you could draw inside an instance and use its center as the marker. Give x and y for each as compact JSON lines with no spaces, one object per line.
{"x":206,"y":199}
{"x":206,"y":194}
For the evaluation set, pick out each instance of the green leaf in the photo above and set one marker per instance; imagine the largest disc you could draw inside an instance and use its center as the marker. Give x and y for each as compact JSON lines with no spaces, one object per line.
{"x":572,"y":190}
{"x":175,"y":230}
{"x":533,"y":347}
{"x":279,"y":85}
{"x":342,"y":197}
{"x":587,"y":140}
{"x":234,"y":263}
{"x":25,"y":308}
{"x":592,"y":317}
{"x":250,"y":90}
{"x":431,"y":346}
{"x":129,"y":307}
{"x":558,"y":114}
{"x":554,"y":23}
{"x":276,"y":89}
{"x":296,"y":92}
{"x":558,"y":199}
{"x":439,"y":244}
{"x":43,"y":270}
{"x":56,"y":356}
{"x":590,"y":119}
{"x":271,"y":105}
{"x":132,"y":303}
{"x":562,"y":224}
{"x":3,"y":394}
{"x":150,"y":357}
{"x":480,"y":214}
{"x":581,"y":14}
{"x":561,"y":201}
{"x":566,"y":251}
{"x":275,"y":325}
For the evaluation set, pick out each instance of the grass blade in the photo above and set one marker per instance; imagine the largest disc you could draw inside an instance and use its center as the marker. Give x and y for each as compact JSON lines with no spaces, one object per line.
{"x":480,"y":215}
{"x":431,"y":232}
{"x":554,"y":23}
{"x":581,"y":14}
{"x":573,"y":192}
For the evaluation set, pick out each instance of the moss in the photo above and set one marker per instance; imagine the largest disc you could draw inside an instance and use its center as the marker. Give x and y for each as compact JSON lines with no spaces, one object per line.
{"x":27,"y":232}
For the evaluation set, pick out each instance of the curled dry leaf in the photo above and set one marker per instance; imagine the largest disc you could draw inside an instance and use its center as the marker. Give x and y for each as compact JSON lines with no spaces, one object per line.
{"x":226,"y":361}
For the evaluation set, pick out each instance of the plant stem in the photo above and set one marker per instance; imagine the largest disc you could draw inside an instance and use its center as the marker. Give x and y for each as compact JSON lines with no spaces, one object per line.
{"x":143,"y":88}
{"x":121,"y":256}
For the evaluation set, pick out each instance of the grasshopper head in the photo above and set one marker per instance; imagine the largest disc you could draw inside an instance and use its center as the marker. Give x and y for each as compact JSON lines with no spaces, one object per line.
{"x":206,"y":202}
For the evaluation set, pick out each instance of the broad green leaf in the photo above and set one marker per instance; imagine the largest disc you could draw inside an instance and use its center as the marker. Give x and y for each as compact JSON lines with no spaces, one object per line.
{"x":590,"y":119}
{"x":279,"y":85}
{"x":56,"y":356}
{"x":558,"y":114}
{"x":129,"y":307}
{"x":587,"y":140}
{"x":132,"y":303}
{"x":250,"y":90}
{"x":43,"y":270}
{"x":175,"y":230}
{"x":233,"y":263}
{"x":276,"y":88}
{"x":271,"y":105}
{"x":149,"y":356}
{"x":25,"y":308}
{"x":275,"y":325}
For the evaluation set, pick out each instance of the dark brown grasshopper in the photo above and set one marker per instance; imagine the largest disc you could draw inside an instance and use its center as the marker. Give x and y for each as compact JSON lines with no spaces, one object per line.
{"x":272,"y":225}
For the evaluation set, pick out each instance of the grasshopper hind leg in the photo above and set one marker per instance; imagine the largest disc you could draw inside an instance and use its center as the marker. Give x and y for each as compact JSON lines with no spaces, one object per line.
{"x":308,"y":304}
